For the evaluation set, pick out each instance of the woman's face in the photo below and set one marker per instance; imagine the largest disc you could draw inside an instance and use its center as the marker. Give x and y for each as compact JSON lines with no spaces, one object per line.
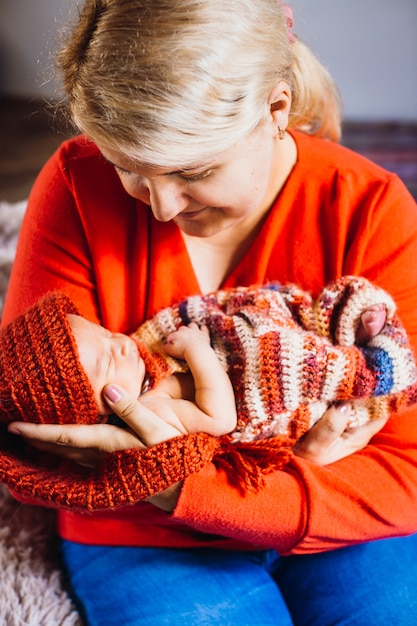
{"x":212,"y":196}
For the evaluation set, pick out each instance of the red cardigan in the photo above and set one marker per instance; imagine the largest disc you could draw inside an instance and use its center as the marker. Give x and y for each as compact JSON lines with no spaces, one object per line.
{"x":337,"y":214}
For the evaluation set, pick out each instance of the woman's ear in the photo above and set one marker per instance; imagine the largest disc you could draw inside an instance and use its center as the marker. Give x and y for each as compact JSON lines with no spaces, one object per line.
{"x":279,"y":103}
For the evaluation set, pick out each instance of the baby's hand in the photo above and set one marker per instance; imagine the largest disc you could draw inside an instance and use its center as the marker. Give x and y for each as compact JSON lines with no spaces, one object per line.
{"x":372,"y":322}
{"x":186,"y":338}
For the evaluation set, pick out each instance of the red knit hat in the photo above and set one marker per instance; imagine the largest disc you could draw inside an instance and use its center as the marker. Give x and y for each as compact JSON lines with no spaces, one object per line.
{"x":41,"y":377}
{"x":42,"y":380}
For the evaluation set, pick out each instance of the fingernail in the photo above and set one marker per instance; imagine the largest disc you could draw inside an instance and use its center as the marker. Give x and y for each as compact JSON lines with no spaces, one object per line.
{"x":112,"y":393}
{"x":13,"y":430}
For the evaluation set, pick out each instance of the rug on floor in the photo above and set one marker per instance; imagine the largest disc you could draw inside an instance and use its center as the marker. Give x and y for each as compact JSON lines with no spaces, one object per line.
{"x":33,"y":590}
{"x":32,"y":586}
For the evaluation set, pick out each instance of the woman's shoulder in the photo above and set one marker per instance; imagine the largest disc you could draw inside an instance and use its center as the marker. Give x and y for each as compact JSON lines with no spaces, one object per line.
{"x":325,"y":164}
{"x":76,"y":149}
{"x":315,"y":153}
{"x":79,"y":144}
{"x":85,"y":172}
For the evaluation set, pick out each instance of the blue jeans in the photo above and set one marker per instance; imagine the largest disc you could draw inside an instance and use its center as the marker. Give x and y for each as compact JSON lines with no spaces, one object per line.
{"x":373,"y":584}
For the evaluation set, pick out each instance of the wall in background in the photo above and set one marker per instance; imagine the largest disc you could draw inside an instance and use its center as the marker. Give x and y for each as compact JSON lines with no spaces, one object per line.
{"x":28,"y":36}
{"x":370,"y":47}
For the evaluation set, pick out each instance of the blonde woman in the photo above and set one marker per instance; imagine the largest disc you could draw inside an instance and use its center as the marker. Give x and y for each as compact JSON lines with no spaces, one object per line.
{"x":209,"y":158}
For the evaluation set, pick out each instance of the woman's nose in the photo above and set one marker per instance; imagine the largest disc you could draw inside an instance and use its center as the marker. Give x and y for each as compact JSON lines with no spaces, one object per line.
{"x":167,"y":198}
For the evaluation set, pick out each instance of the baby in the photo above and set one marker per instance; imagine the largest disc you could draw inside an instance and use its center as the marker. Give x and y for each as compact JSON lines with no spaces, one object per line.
{"x":260,"y":363}
{"x":200,"y":401}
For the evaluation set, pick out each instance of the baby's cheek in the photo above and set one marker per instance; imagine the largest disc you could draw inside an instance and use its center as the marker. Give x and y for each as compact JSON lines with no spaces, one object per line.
{"x":135,"y":389}
{"x":103,"y":407}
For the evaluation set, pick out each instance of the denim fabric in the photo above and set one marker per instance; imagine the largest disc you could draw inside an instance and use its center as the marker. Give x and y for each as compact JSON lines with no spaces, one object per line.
{"x":373,"y":584}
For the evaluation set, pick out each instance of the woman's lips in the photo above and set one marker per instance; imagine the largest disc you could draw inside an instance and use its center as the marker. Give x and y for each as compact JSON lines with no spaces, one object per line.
{"x":189,"y":215}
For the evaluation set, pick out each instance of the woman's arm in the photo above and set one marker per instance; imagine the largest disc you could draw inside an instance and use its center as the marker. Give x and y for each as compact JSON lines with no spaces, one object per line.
{"x":365,"y":496}
{"x":52,"y":251}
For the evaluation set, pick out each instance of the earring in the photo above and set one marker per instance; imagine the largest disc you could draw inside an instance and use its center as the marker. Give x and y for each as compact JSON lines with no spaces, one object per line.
{"x":281,"y":133}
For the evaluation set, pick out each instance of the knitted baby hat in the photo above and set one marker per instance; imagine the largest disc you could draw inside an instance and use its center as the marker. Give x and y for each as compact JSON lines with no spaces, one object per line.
{"x":41,"y":377}
{"x":42,"y":380}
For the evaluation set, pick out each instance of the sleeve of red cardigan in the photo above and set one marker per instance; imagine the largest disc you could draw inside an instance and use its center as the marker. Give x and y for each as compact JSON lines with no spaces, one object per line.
{"x":369,"y":495}
{"x":52,"y":251}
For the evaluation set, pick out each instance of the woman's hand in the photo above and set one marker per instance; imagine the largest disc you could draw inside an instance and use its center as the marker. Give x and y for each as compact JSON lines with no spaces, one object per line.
{"x":88,"y":444}
{"x":151,"y":430}
{"x":84,"y":444}
{"x":331,"y":439}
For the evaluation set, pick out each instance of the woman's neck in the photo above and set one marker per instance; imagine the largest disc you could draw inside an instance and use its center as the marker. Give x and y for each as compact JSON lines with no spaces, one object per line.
{"x":214,"y":258}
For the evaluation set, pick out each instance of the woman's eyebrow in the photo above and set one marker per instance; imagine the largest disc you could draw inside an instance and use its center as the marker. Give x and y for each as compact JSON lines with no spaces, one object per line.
{"x":111,"y":162}
{"x":107,"y":160}
{"x":182,"y":170}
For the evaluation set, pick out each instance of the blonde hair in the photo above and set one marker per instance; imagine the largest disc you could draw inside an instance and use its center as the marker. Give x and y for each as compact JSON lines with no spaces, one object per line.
{"x":170,"y":82}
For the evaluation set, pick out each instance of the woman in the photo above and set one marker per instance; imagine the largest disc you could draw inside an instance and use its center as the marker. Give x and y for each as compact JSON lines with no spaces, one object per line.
{"x":209,"y":163}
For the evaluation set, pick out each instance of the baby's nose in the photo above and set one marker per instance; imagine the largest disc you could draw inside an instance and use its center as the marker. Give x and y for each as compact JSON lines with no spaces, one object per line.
{"x":127,"y":345}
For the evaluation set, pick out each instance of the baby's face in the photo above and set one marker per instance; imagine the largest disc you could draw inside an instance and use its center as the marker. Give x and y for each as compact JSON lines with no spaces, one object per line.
{"x":107,"y":357}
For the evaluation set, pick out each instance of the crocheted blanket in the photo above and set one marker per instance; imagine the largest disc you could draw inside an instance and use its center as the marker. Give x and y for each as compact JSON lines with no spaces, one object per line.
{"x":289,"y":356}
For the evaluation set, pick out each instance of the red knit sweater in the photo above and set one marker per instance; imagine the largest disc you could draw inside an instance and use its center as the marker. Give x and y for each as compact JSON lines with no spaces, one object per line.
{"x":337,"y":214}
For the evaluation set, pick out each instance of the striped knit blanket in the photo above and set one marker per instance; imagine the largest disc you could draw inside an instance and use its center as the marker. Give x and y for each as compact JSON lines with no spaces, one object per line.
{"x":289,"y":356}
